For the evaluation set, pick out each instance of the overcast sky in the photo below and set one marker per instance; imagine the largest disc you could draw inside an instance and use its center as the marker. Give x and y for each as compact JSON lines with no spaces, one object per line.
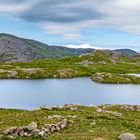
{"x":73,"y":23}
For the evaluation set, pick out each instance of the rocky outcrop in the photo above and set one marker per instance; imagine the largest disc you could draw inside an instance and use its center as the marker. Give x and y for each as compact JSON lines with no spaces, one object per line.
{"x":99,"y":76}
{"x":85,"y":63}
{"x":32,"y":70}
{"x":116,"y":114}
{"x":102,"y":62}
{"x":33,"y":130}
{"x":131,"y":107}
{"x":65,"y":73}
{"x":127,"y":136}
{"x":10,"y":73}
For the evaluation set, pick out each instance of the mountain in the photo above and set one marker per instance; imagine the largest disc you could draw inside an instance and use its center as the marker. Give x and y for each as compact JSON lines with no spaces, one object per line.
{"x":16,"y":49}
{"x":126,"y":51}
{"x":13,"y":48}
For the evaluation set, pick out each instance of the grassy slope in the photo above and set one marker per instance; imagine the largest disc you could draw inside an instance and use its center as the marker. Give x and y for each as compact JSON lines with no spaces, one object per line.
{"x":88,"y":124}
{"x":72,"y":67}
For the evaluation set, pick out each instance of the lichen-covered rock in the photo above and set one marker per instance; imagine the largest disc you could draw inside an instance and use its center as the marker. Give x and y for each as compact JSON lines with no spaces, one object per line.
{"x":127,"y":136}
{"x":32,"y":126}
{"x":131,"y":107}
{"x":117,"y":114}
{"x":10,"y":131}
{"x":42,"y":134}
{"x":65,"y":73}
{"x":33,"y":130}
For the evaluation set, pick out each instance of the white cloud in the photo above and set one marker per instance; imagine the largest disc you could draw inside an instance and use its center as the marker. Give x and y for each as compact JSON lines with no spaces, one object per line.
{"x":16,"y":8}
{"x":70,"y":18}
{"x":82,"y":46}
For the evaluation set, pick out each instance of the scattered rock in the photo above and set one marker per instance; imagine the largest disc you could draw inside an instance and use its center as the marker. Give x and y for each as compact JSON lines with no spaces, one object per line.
{"x":98,"y":76}
{"x":9,"y":131}
{"x":33,"y":130}
{"x":32,"y":70}
{"x":11,"y":73}
{"x":117,"y":114}
{"x":64,"y":73}
{"x":64,"y":123}
{"x":72,"y":107}
{"x":71,"y":116}
{"x":32,"y":126}
{"x":42,"y":134}
{"x":127,"y":136}
{"x":85,"y":62}
{"x":53,"y":128}
{"x":50,"y":107}
{"x":54,"y":116}
{"x":102,"y":62}
{"x":131,"y":107}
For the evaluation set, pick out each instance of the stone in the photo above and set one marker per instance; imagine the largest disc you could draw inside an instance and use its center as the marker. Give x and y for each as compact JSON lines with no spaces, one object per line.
{"x":53,"y":128}
{"x":54,"y":116}
{"x":85,"y":62}
{"x":9,"y":131}
{"x":102,"y":62}
{"x":117,"y":114}
{"x":127,"y":136}
{"x":32,"y":126}
{"x":25,"y":134}
{"x":48,"y":126}
{"x":46,"y":129}
{"x":21,"y":133}
{"x":33,"y":130}
{"x":64,"y":123}
{"x":42,"y":133}
{"x":58,"y":128}
{"x":98,"y":76}
{"x":131,"y":107}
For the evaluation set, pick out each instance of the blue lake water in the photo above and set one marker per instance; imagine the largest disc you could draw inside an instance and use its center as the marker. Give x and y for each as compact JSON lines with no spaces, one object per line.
{"x":29,"y":94}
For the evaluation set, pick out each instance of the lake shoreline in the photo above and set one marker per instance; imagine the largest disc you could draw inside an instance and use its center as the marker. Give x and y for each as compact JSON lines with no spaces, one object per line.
{"x":99,"y":79}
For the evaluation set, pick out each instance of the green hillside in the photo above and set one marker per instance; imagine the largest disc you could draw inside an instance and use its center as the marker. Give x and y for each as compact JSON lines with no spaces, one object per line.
{"x":99,"y":61}
{"x":13,"y":48}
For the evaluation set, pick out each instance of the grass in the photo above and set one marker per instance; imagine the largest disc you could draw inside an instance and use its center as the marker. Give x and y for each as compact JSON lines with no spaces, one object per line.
{"x":88,"y":125}
{"x":76,"y":66}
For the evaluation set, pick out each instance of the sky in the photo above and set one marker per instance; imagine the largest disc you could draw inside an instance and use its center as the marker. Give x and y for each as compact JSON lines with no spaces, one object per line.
{"x":74,"y":23}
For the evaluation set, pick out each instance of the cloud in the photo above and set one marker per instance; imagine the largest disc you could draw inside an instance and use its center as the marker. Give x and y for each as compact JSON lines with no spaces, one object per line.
{"x":83,"y":46}
{"x":70,"y":18}
{"x":14,"y":7}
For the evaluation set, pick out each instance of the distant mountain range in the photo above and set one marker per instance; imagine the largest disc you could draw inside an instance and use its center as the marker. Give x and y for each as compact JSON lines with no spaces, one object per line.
{"x":126,"y":51}
{"x":13,"y":48}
